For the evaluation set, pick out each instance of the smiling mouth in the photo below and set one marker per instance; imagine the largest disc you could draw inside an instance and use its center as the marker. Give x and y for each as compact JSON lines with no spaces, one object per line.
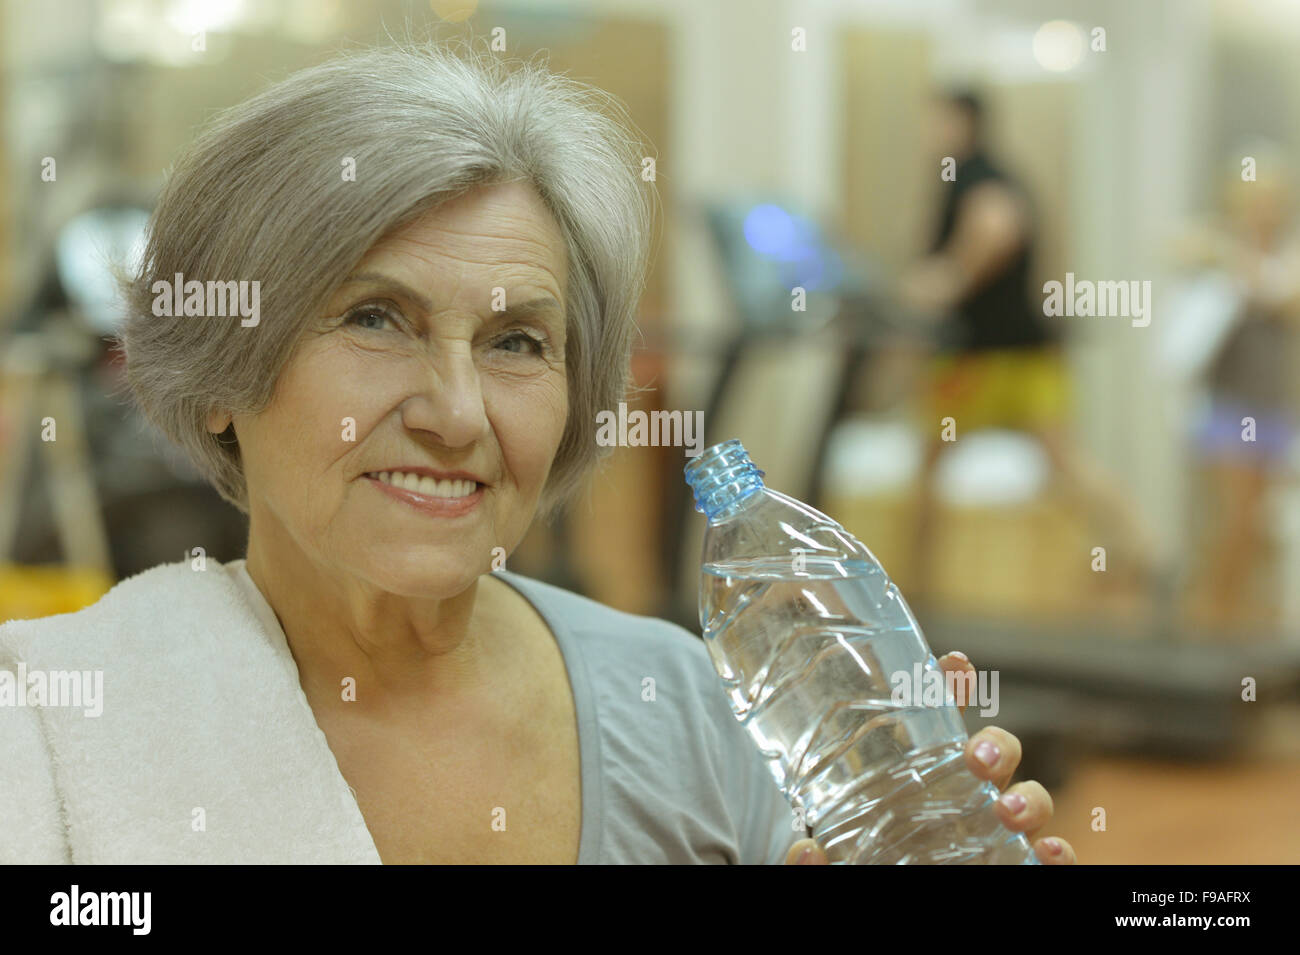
{"x":449,"y":489}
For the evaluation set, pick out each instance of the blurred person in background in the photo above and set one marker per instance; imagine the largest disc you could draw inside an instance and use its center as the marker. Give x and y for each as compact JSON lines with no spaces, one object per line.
{"x":1247,"y":429}
{"x":1003,"y":366}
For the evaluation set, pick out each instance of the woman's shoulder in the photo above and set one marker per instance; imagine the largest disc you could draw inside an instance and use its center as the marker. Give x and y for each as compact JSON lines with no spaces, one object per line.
{"x":624,"y":661}
{"x":681,"y":780}
{"x":133,"y":610}
{"x":164,"y":704}
{"x":604,"y":631}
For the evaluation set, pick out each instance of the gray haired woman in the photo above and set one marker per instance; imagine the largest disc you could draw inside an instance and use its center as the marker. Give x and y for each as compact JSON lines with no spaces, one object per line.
{"x":380,"y":307}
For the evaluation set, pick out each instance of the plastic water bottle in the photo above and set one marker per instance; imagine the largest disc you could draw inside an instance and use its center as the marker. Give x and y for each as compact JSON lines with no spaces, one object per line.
{"x":808,"y":635}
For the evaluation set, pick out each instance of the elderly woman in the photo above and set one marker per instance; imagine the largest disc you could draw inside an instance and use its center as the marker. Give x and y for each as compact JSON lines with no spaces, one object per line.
{"x":448,"y":255}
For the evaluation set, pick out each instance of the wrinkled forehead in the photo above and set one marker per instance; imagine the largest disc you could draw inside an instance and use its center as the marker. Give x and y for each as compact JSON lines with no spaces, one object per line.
{"x":498,"y":230}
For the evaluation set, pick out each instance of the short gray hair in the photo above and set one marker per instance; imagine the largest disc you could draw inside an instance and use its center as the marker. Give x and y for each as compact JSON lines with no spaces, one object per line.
{"x":260,"y":194}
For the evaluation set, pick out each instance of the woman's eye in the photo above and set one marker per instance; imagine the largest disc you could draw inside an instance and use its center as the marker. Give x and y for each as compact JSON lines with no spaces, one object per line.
{"x":370,"y":317}
{"x":524,"y":341}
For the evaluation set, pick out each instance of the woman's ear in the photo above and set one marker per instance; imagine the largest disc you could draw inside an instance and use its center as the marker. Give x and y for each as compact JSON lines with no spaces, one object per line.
{"x":219,"y":421}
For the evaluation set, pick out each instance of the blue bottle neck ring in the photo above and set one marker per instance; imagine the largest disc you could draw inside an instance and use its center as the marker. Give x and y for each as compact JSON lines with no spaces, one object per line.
{"x":722,"y":477}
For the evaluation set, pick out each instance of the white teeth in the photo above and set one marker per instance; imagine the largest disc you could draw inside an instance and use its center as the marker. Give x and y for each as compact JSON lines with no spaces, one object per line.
{"x":426,"y":485}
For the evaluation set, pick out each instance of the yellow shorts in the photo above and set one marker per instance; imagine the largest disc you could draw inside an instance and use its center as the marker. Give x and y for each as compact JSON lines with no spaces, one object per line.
{"x":1021,"y":389}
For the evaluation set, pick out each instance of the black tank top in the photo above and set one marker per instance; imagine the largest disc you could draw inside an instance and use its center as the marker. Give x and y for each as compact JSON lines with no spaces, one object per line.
{"x":1000,"y":314}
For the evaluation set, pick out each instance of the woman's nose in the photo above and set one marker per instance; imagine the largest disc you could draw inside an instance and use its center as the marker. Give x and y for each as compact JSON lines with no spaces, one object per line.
{"x":449,"y":402}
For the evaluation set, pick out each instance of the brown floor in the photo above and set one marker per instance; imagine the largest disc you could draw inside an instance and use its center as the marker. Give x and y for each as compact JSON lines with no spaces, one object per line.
{"x":1241,"y":813}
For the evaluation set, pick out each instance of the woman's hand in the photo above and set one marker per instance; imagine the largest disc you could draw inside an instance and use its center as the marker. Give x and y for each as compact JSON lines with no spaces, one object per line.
{"x":1032,"y":804}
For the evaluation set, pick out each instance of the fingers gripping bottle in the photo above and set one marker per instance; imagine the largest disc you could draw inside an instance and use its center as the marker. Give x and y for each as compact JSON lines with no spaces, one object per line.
{"x":818,"y":653}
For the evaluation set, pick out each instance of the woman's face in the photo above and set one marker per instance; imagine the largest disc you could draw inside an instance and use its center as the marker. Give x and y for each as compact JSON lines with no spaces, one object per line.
{"x":444,"y":350}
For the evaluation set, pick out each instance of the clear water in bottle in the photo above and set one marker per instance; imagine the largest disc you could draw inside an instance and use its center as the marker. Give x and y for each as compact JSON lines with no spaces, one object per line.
{"x":807,"y":635}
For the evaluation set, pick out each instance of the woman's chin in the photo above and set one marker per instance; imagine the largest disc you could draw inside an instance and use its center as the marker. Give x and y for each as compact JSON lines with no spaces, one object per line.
{"x":425,"y":575}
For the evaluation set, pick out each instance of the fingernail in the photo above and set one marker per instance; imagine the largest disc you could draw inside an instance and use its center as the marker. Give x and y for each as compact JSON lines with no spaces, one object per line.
{"x":1013,"y":801}
{"x":959,"y":655}
{"x":987,"y":753}
{"x":1053,"y":846}
{"x":804,"y":857}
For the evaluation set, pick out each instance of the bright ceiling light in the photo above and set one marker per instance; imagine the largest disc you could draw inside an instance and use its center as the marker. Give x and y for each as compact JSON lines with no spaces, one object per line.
{"x":191,"y":16}
{"x":1058,"y":46}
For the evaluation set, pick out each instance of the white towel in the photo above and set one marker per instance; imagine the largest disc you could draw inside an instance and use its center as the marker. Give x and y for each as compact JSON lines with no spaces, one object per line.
{"x":202,"y":710}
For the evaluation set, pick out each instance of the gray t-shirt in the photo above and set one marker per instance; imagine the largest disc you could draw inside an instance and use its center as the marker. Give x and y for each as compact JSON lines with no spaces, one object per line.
{"x":668,"y":773}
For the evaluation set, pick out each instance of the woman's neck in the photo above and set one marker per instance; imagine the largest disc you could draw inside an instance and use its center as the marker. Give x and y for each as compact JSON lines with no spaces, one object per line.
{"x":351,"y":638}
